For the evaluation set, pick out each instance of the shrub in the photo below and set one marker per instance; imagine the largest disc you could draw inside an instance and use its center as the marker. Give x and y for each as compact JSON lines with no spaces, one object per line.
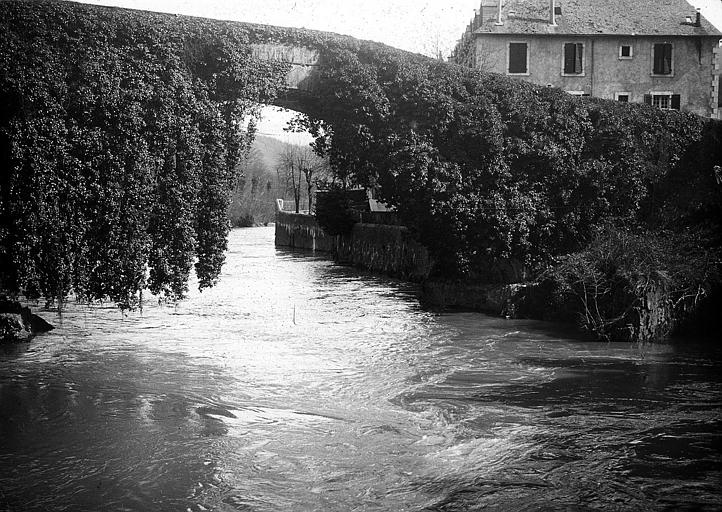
{"x":487,"y":169}
{"x":333,"y":212}
{"x":622,"y":271}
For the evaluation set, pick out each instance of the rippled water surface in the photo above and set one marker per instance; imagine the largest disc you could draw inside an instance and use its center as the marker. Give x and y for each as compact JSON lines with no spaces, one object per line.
{"x":297,"y":384}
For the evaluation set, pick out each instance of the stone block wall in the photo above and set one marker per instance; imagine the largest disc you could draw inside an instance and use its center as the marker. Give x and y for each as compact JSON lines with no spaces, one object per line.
{"x":384,"y":248}
{"x":381,"y":248}
{"x":301,"y":231}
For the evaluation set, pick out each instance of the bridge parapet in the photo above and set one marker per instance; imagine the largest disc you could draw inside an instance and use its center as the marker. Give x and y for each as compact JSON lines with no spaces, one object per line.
{"x":304,"y":63}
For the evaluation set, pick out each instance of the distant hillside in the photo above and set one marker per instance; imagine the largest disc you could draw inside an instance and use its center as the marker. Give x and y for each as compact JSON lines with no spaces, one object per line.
{"x":254,"y":199}
{"x":268,"y":149}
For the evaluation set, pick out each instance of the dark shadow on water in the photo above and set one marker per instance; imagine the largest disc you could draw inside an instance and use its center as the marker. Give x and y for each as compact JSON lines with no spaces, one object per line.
{"x":328,"y":271}
{"x":302,"y":254}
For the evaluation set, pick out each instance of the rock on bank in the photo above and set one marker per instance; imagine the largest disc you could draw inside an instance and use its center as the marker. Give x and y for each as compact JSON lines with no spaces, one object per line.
{"x":18,"y":323}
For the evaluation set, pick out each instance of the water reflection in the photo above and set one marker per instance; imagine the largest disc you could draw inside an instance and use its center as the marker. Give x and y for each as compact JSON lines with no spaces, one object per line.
{"x":296,"y":384}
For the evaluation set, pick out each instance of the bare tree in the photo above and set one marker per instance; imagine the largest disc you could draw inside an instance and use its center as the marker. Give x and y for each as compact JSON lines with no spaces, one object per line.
{"x":298,"y":164}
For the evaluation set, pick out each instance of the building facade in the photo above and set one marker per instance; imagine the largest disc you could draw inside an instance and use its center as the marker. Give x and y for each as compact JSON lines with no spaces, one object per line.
{"x":660,"y":52}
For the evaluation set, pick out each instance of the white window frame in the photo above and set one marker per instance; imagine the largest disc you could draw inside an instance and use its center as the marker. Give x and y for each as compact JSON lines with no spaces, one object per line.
{"x":623,"y":93}
{"x":671,"y":63}
{"x":508,"y":53}
{"x":631,"y":52}
{"x":669,"y":95}
{"x":584,"y":59}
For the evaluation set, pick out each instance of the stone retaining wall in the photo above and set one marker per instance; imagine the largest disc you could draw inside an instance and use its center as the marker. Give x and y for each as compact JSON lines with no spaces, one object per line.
{"x":382,"y":248}
{"x":301,"y":231}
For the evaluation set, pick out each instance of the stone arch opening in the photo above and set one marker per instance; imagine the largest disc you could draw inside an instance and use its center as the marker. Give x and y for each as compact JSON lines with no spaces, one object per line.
{"x":280,"y":165}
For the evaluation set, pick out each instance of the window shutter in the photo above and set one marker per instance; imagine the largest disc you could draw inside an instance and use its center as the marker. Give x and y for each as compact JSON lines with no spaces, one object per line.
{"x":675,"y":101}
{"x":568,"y":58}
{"x":648,"y":99}
{"x":517,"y":58}
{"x":657,"y":70}
{"x":578,"y":63}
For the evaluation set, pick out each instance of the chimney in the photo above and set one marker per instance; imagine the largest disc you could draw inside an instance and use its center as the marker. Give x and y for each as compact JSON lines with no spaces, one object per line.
{"x":552,"y":14}
{"x":698,"y":19}
{"x":477,"y":19}
{"x":498,"y":14}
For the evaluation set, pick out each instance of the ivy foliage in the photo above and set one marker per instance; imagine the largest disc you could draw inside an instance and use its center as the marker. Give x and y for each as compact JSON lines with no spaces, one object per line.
{"x":489,"y":170}
{"x":120,"y":138}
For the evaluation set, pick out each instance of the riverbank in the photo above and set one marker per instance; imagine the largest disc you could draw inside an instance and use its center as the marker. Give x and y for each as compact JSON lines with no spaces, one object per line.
{"x":391,"y":250}
{"x":621,"y":310}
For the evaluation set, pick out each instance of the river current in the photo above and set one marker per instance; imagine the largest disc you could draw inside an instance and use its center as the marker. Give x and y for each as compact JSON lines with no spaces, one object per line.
{"x":299,"y":384}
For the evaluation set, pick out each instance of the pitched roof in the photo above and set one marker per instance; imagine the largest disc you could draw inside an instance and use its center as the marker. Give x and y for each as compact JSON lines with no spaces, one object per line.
{"x":595,"y":17}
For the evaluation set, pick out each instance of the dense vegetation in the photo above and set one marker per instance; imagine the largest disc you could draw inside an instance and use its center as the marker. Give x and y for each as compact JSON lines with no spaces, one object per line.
{"x":494,"y":168}
{"x":120,"y":139}
{"x":497,"y":175}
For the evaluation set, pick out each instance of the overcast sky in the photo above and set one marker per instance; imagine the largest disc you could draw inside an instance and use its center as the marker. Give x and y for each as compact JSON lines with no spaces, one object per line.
{"x":422,"y":26}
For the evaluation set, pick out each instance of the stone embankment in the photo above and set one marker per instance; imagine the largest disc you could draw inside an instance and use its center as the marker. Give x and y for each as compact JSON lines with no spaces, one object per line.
{"x":377,"y":247}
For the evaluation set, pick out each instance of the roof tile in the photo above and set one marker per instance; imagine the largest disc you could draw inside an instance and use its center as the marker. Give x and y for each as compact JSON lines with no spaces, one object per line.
{"x":586,"y":17}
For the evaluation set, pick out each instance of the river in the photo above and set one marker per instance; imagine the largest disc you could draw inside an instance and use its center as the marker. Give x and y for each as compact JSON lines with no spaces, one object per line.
{"x":298,"y":384}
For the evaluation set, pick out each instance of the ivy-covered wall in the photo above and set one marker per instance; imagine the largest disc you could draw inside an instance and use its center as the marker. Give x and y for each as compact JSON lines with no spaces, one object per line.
{"x":120,"y":137}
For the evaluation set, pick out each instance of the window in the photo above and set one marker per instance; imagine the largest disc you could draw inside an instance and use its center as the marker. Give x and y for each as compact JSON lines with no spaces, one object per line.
{"x":518,"y":59}
{"x":662,"y":59}
{"x":573,"y":59}
{"x":622,"y":96}
{"x":577,"y":93}
{"x":625,"y":51}
{"x":663,"y":100}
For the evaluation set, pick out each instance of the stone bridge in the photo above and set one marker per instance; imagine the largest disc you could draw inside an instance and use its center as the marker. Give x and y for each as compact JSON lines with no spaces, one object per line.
{"x":301,"y":80}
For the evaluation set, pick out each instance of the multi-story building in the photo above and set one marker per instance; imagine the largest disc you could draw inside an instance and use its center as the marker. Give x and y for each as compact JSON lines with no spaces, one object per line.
{"x":661,"y":52}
